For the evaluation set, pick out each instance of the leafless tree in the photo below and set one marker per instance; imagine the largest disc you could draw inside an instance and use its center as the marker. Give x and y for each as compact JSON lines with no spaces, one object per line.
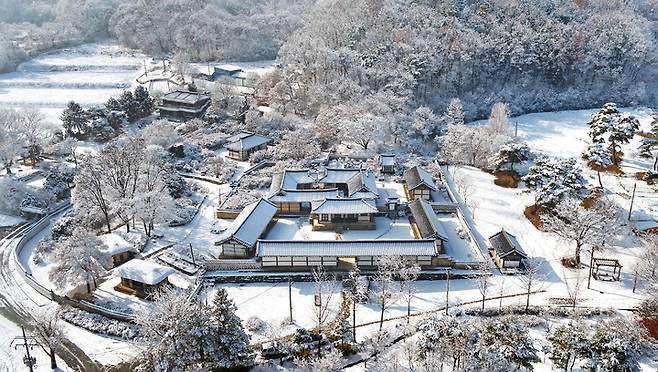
{"x":325,"y":288}
{"x":408,"y":275}
{"x":387,"y":268}
{"x":47,"y":329}
{"x":574,"y":285}
{"x":531,"y":279}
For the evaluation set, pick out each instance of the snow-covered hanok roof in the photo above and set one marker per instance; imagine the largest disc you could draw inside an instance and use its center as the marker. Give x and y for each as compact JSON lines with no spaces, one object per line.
{"x":34,"y":210}
{"x":228,"y":68}
{"x":246,"y":141}
{"x":357,"y":180}
{"x":505,"y":243}
{"x":303,"y":196}
{"x":250,"y":223}
{"x":387,"y":160}
{"x":417,"y":176}
{"x":425,"y":218}
{"x":145,"y":272}
{"x":344,"y":206}
{"x":185,"y":97}
{"x":116,"y":244}
{"x":345,"y":248}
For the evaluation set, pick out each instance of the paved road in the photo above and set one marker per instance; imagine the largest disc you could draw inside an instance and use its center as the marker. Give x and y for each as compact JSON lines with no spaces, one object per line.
{"x":18,"y":307}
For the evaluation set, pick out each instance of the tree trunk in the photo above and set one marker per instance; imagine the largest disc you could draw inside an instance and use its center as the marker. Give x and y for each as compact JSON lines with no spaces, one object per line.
{"x":527,"y":301}
{"x":107,"y":221}
{"x":53,"y":359}
{"x":577,"y":255}
{"x":598,"y":173}
{"x":354,"y":321}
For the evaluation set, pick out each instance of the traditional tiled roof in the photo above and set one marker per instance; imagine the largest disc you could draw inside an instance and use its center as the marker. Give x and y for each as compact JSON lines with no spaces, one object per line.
{"x":417,"y":176}
{"x":357,"y":180}
{"x":301,"y":196}
{"x":387,"y":160}
{"x":250,"y":223}
{"x":144,"y":271}
{"x":246,"y":141}
{"x":185,"y":97}
{"x":345,"y":248}
{"x":425,"y":218}
{"x":344,"y":206}
{"x":505,"y":243}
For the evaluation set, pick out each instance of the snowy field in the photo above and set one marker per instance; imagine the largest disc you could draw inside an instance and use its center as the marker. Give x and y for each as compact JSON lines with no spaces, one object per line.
{"x":88,"y":74}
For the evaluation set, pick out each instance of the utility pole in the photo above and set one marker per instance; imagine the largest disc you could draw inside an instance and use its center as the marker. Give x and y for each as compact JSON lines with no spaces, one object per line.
{"x":192,"y":253}
{"x":632,"y":200}
{"x":591,"y":263}
{"x":290,"y":297}
{"x":447,"y":291}
{"x":516,"y":129}
{"x":27,"y":342}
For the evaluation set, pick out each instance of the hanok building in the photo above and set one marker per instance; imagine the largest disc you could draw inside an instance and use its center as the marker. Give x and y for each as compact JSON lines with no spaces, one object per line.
{"x":118,"y":248}
{"x":182,"y":106}
{"x":339,"y":213}
{"x":241,"y":146}
{"x":425,"y":223}
{"x":142,"y":278}
{"x":298,"y":202}
{"x":387,"y":163}
{"x":418,"y":184}
{"x":352,"y":183}
{"x":239,"y":240}
{"x":233,"y":74}
{"x":506,"y":250}
{"x":341,"y":254}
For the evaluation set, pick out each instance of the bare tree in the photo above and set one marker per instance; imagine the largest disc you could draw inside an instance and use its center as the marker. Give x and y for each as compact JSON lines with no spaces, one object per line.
{"x":325,"y":288}
{"x":355,"y":295}
{"x":574,"y":285}
{"x":387,"y":268}
{"x":482,"y":279}
{"x":583,"y":226}
{"x":531,"y":278}
{"x":47,"y":329}
{"x":646,"y":266}
{"x":408,"y":275}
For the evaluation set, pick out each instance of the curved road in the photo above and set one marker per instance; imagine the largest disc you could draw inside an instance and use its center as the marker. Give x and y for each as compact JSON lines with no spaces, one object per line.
{"x":17,"y":306}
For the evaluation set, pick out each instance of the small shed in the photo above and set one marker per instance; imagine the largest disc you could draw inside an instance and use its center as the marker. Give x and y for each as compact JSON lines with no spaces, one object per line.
{"x":239,"y":240}
{"x":387,"y":163}
{"x":418,"y":184}
{"x":118,"y":248}
{"x":142,"y":278}
{"x":232,"y":73}
{"x":506,"y":250}
{"x":242,"y":145}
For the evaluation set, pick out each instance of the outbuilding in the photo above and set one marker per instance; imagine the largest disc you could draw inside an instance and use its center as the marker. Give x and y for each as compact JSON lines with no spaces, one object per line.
{"x":425,"y":223}
{"x":142,"y":278}
{"x":242,"y":145}
{"x":118,"y":248}
{"x":340,"y":213}
{"x":239,"y":240}
{"x":182,"y":105}
{"x":418,"y":184}
{"x":387,"y":163}
{"x":506,"y":250}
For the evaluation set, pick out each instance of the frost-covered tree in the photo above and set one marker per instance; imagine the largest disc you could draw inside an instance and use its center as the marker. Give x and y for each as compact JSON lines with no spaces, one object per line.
{"x":325,"y":288}
{"x":567,"y":343}
{"x":90,"y":192}
{"x":597,"y":157}
{"x":443,"y":339}
{"x":59,"y":179}
{"x":10,"y":147}
{"x":501,"y":343}
{"x":161,"y":133}
{"x":499,"y":118}
{"x":454,"y":114}
{"x":145,"y":103}
{"x":46,"y":327}
{"x":530,"y":279}
{"x":408,"y":274}
{"x":617,"y":345}
{"x":34,"y":132}
{"x":611,"y":126}
{"x":78,"y":259}
{"x":386,"y":290}
{"x":75,"y":120}
{"x":129,"y":106}
{"x":325,"y":129}
{"x":585,"y":227}
{"x":329,"y":362}
{"x":554,"y":179}
{"x":513,"y":153}
{"x":230,"y":342}
{"x":646,"y":266}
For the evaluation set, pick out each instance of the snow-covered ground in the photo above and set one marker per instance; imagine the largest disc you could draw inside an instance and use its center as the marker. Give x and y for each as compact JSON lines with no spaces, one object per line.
{"x":88,"y":74}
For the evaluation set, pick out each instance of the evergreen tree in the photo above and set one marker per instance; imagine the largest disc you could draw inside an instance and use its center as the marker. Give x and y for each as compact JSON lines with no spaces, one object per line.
{"x":145,"y":103}
{"x":513,"y":153}
{"x":129,"y":106}
{"x":567,"y":342}
{"x":455,"y":112}
{"x":598,"y":157}
{"x":74,"y":120}
{"x":611,"y":126}
{"x":231,"y":342}
{"x":113,"y":104}
{"x":553,"y":179}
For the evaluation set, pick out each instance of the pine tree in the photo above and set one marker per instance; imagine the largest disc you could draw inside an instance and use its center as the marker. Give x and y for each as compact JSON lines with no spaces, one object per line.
{"x":567,"y":342}
{"x":598,"y":157}
{"x":145,"y":103}
{"x":129,"y":106}
{"x":611,"y":126}
{"x":74,"y":120}
{"x":231,"y":342}
{"x":513,"y":153}
{"x":455,"y":112}
{"x":113,"y":104}
{"x":553,"y":179}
